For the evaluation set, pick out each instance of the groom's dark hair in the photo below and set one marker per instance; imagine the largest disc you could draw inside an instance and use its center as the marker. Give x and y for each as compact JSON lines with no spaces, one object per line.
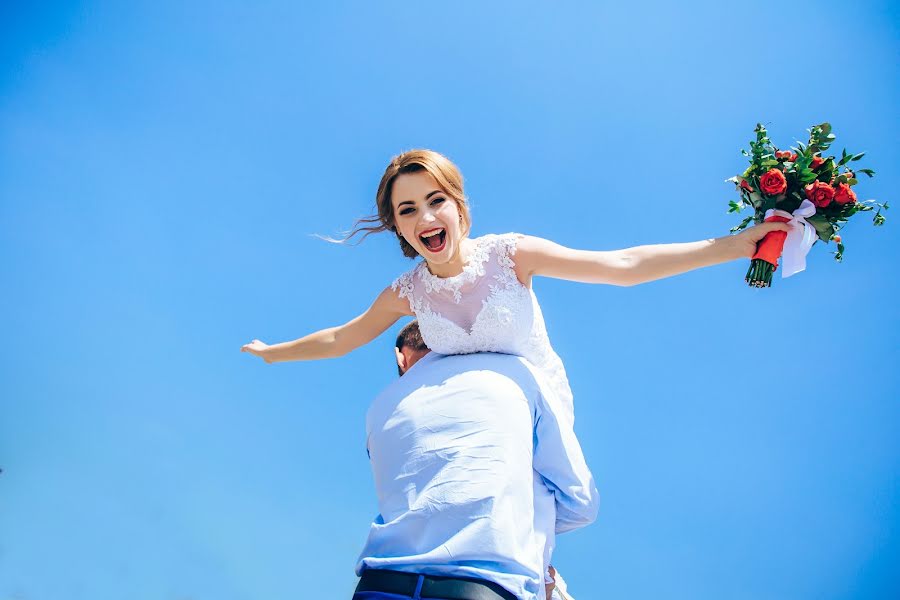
{"x":411,"y":337}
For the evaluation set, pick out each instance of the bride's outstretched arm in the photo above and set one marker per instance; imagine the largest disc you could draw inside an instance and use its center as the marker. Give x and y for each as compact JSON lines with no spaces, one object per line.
{"x":631,"y":266}
{"x":337,"y":341}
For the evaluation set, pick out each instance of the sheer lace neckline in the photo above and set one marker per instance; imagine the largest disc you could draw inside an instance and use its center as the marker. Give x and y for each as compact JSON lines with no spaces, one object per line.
{"x":473,"y":269}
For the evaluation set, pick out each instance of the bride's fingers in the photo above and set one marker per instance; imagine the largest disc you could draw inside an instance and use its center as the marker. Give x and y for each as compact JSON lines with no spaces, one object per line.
{"x":757,"y":232}
{"x":776,"y":226}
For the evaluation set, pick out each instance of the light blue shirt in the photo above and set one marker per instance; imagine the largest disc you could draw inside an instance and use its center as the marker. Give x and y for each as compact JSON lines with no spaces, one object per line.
{"x":474,"y":472}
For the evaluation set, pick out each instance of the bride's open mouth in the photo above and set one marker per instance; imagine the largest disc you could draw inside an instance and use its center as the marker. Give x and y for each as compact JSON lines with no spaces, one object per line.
{"x":434,"y":240}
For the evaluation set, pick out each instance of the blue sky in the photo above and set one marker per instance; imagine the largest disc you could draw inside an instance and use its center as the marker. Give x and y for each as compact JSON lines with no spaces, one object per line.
{"x":163,"y":166}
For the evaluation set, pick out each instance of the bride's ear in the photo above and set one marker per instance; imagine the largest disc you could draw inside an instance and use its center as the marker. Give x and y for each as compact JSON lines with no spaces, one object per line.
{"x":401,"y":360}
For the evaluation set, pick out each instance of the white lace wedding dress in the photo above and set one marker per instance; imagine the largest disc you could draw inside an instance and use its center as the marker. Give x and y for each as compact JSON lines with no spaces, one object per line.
{"x":486,"y":309}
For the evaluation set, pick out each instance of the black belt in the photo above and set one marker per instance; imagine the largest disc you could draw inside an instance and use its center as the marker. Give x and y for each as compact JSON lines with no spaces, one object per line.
{"x":446,"y":588}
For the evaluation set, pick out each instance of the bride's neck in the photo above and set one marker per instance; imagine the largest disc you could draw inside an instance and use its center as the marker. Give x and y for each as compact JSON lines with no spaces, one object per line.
{"x":457,"y":262}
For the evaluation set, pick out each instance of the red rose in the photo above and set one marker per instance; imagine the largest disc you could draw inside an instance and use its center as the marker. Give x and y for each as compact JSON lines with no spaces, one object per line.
{"x":817,"y":161}
{"x":820,"y":193}
{"x":746,"y":185}
{"x":785,"y":155}
{"x":844,"y":195}
{"x":773,"y":182}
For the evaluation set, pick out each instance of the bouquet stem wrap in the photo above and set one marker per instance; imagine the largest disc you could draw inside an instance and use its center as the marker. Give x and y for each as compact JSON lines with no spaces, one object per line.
{"x":765,"y":261}
{"x":798,"y":240}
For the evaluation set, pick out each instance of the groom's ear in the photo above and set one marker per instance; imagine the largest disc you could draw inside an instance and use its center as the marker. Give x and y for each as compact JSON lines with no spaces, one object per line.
{"x":401,"y":360}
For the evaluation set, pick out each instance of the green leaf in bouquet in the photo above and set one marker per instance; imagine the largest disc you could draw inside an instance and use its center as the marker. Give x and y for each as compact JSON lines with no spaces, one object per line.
{"x":807,"y":176}
{"x":868,"y":172}
{"x":850,"y":210}
{"x":756,"y":200}
{"x":858,"y":156}
{"x":823,"y":226}
{"x":743,"y":224}
{"x":852,"y":181}
{"x":878,"y":221}
{"x":735,"y":206}
{"x":814,"y":131}
{"x":839,"y":255}
{"x":788,"y":203}
{"x":822,"y":130}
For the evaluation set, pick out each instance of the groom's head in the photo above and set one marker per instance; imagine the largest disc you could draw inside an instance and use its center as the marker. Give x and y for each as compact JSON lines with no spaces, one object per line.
{"x":410,"y":346}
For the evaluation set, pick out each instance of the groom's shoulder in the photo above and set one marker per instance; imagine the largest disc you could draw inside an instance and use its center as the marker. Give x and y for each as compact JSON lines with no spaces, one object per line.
{"x":437,"y":378}
{"x":466,"y":362}
{"x":434,"y":369}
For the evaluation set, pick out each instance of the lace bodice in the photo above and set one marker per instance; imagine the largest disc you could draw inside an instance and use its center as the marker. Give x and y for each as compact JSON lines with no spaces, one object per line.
{"x":485,"y":309}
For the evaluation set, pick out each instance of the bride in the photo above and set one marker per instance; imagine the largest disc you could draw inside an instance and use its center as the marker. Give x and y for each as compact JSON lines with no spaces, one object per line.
{"x":475,"y":294}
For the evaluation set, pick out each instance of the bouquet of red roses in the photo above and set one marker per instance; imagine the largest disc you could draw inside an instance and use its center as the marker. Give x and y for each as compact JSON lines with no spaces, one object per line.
{"x":812,"y":193}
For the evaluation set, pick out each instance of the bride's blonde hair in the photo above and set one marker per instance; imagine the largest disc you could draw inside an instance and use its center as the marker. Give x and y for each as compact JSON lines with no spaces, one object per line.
{"x":444,"y":172}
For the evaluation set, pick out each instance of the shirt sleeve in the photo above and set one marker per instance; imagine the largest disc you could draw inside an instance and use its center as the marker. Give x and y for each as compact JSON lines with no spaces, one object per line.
{"x":559,"y":460}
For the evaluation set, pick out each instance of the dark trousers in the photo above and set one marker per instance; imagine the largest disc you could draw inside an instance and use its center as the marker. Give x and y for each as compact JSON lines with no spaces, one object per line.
{"x":387,"y":596}
{"x":409,"y":586}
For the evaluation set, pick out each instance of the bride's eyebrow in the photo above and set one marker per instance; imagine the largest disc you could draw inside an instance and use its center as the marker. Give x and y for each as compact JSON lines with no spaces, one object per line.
{"x":427,"y":196}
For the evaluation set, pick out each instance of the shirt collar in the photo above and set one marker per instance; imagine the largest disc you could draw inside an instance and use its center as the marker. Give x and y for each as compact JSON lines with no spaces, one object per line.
{"x":431,"y":356}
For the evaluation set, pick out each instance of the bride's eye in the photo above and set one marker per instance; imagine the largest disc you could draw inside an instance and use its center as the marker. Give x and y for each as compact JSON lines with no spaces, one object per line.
{"x":437,"y":201}
{"x":407,"y":211}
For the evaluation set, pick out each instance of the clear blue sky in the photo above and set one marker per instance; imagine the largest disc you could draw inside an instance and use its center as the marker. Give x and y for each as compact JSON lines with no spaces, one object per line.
{"x":163,"y":166}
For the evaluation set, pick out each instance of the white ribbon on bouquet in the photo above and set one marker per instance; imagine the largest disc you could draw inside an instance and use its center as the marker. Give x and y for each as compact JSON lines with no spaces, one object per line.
{"x":800,"y":237}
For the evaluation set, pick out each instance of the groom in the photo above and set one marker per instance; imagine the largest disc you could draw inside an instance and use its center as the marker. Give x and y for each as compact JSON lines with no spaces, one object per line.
{"x":474,"y":475}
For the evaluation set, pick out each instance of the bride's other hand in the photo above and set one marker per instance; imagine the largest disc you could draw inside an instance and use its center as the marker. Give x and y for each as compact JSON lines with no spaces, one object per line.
{"x":258,"y":348}
{"x":549,"y":586}
{"x":745,"y":242}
